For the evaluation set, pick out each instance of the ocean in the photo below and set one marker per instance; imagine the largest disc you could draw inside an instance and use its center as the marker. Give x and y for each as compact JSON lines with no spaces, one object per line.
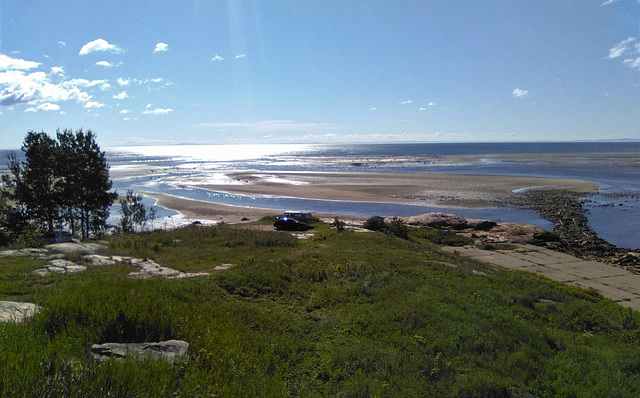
{"x":614,"y":212}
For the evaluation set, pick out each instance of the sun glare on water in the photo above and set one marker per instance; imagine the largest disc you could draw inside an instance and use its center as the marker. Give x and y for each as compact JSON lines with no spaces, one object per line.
{"x":220,"y":153}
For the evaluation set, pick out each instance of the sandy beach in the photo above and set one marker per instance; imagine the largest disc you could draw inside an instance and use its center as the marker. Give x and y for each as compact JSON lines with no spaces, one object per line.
{"x":458,"y":190}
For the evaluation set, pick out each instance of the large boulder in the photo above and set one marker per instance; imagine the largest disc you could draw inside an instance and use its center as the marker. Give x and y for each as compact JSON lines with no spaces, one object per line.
{"x":170,"y":350}
{"x":14,"y":311}
{"x":439,"y":220}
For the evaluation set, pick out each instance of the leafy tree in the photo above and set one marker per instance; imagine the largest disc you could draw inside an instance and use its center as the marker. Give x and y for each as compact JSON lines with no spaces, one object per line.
{"x":86,"y":181}
{"x":34,"y":181}
{"x":134,"y":212}
{"x":61,"y":182}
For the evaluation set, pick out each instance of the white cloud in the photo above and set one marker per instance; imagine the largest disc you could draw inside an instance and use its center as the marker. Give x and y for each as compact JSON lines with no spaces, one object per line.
{"x":125,"y":111}
{"x":105,"y":86}
{"x":83,"y":82}
{"x":606,"y":3}
{"x":268,"y":126}
{"x":431,"y":103}
{"x":621,"y":48}
{"x":99,"y":45}
{"x":106,"y":64}
{"x":374,"y":108}
{"x":633,"y":63}
{"x":57,"y":70}
{"x":407,"y":102}
{"x":518,"y":92}
{"x":8,"y":63}
{"x":241,"y":56}
{"x":156,"y":111}
{"x":217,"y":58}
{"x":93,"y":104}
{"x":161,"y":47}
{"x":422,"y":109}
{"x":121,"y":95}
{"x":61,"y":44}
{"x":123,"y":82}
{"x":156,"y":80}
{"x":47,"y":106}
{"x":630,"y":49}
{"x":18,"y":87}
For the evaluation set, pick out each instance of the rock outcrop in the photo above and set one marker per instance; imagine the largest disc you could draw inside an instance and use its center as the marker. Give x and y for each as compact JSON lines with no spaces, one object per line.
{"x":565,"y":210}
{"x":14,"y":311}
{"x":170,"y":350}
{"x":60,"y":266}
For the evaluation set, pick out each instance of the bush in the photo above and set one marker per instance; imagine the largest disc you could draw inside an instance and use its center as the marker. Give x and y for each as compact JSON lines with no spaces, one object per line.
{"x":338,"y":224}
{"x":396,"y":227}
{"x":375,"y":223}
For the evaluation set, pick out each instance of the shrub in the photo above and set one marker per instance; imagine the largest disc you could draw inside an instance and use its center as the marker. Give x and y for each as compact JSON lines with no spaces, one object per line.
{"x":375,"y":223}
{"x":398,"y":228}
{"x":338,"y":224}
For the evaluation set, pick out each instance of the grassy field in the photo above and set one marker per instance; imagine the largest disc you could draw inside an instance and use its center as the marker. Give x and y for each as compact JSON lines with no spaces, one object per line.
{"x":340,"y":314}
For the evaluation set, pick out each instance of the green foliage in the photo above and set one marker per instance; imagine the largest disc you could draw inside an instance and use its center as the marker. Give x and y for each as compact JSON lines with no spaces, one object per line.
{"x":134,"y":215}
{"x":338,"y":224}
{"x":440,"y":236}
{"x":61,"y":183}
{"x":395,"y":227}
{"x":375,"y":223}
{"x":351,"y":314}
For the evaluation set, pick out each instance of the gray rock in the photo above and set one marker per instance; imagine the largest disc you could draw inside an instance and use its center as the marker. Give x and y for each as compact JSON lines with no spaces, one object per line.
{"x":170,"y":350}
{"x":439,"y":220}
{"x":60,"y":266}
{"x":29,"y":252}
{"x":75,"y":247}
{"x":98,"y":260}
{"x":13,"y":311}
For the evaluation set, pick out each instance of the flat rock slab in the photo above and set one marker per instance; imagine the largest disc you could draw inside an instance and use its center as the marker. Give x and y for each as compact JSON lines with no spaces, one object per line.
{"x":170,"y":350}
{"x":29,"y":252}
{"x":617,"y":284}
{"x":14,"y":311}
{"x":71,"y":247}
{"x":98,"y":260}
{"x":60,"y":266}
{"x":57,"y":265}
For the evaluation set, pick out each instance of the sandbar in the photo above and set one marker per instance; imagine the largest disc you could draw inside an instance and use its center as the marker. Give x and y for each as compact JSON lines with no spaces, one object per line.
{"x":447,"y":190}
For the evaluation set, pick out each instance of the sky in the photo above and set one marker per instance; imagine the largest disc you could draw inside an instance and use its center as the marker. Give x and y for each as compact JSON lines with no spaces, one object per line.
{"x":333,"y":71}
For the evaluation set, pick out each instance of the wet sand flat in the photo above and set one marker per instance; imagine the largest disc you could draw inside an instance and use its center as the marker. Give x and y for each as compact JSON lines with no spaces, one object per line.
{"x":433,"y":189}
{"x":465,"y":190}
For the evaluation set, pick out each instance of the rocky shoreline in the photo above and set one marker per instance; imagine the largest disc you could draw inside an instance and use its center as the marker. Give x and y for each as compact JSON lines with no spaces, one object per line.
{"x":574,"y":236}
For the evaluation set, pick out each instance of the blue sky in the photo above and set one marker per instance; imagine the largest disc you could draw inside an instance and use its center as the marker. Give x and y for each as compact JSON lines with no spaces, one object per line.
{"x":166,"y":72}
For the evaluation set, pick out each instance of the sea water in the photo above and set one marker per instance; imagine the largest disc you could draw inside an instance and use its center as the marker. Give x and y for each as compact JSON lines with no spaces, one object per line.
{"x":614,"y":213}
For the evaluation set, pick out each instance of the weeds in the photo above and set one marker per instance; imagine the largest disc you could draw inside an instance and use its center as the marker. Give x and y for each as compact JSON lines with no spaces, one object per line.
{"x":345,"y":315}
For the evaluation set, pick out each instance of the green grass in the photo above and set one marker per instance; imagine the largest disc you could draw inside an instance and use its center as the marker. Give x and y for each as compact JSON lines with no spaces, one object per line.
{"x":347,"y":315}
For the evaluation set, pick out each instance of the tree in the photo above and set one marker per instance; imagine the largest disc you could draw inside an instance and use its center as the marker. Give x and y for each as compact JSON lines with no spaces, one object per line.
{"x":133,"y":211}
{"x":35,"y":180}
{"x":86,"y":181}
{"x":64,"y":182}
